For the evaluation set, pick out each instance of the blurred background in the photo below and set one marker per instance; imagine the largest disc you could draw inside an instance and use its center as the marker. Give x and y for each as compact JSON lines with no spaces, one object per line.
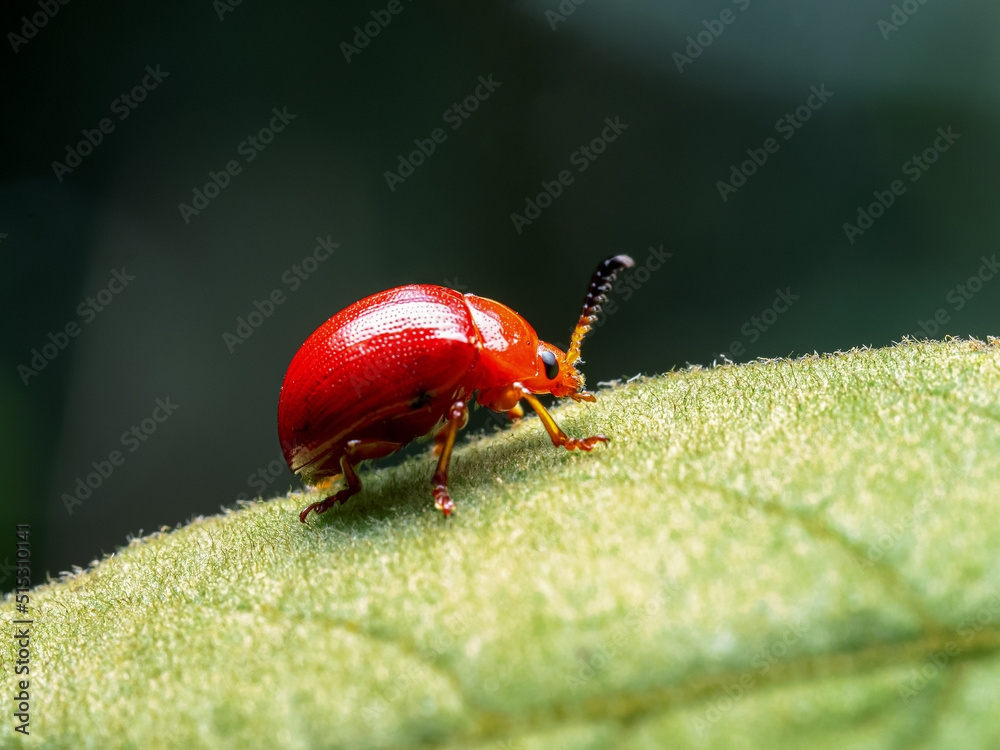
{"x":790,"y":177}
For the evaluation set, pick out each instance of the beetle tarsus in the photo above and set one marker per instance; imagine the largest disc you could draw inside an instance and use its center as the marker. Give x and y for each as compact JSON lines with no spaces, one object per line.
{"x":583,"y":444}
{"x":555,"y":431}
{"x":324,"y":505}
{"x":442,"y":500}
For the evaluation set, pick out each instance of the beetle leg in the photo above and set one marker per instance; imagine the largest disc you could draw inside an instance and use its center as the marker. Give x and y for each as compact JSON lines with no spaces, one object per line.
{"x":458,"y":415}
{"x":354,"y":452}
{"x":516,"y":413}
{"x":558,"y":436}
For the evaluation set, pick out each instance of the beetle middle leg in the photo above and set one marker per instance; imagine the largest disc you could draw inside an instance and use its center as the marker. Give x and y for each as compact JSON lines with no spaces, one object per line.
{"x":354,"y":452}
{"x":555,"y":432}
{"x":458,"y":415}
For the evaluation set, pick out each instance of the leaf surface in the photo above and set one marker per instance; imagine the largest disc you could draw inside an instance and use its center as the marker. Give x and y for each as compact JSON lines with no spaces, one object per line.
{"x":781,"y":554}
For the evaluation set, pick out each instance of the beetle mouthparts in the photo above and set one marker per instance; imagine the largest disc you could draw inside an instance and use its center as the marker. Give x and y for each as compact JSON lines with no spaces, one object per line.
{"x":600,"y":285}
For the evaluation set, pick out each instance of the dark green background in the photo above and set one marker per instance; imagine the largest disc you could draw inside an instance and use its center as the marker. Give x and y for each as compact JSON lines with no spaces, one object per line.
{"x":449,"y":223}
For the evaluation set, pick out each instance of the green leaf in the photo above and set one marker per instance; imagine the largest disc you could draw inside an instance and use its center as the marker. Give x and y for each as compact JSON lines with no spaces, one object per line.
{"x":780,"y":554}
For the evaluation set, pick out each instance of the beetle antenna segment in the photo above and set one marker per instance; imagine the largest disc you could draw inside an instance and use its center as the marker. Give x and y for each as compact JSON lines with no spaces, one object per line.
{"x":600,"y":285}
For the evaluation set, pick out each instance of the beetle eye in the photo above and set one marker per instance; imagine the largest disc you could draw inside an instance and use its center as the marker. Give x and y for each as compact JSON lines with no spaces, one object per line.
{"x":551,"y":365}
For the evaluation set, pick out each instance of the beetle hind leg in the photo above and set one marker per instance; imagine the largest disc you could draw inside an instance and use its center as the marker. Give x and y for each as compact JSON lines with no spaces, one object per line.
{"x":353,"y":487}
{"x":355,"y":452}
{"x":458,"y":415}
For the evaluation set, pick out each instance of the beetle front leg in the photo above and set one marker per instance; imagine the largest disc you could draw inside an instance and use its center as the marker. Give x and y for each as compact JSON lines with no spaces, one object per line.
{"x":458,"y":415}
{"x":355,"y":452}
{"x":558,"y":436}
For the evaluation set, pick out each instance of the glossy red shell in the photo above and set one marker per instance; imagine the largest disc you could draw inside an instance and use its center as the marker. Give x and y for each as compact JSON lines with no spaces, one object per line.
{"x":388,"y":368}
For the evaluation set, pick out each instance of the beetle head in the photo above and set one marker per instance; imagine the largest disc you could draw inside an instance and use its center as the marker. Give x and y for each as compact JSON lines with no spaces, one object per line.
{"x":555,"y":376}
{"x":557,"y":373}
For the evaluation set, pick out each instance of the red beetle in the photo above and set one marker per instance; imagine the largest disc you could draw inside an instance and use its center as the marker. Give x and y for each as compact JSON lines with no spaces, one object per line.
{"x":405,"y":361}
